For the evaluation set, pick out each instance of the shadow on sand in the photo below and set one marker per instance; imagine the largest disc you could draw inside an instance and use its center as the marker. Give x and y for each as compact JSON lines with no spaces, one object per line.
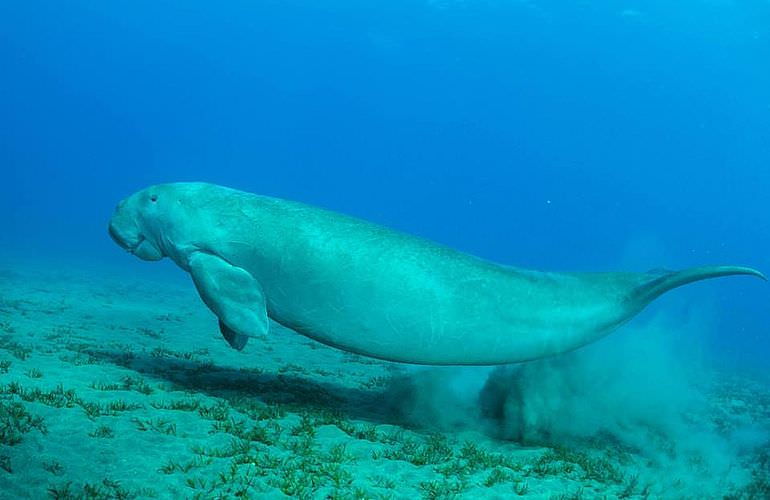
{"x":378,"y":406}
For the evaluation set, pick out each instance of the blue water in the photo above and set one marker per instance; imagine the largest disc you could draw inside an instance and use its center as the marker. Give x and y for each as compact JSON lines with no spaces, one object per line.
{"x":534,"y":133}
{"x":552,"y":135}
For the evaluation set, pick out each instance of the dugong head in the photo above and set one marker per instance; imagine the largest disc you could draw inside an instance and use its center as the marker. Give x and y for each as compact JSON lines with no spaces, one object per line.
{"x":151,"y":223}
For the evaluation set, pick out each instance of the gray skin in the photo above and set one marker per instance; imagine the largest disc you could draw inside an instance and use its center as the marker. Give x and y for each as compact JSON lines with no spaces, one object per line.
{"x":371,"y":290}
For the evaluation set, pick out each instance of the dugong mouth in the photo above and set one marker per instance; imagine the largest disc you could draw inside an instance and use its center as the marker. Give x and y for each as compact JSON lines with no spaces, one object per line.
{"x":140,"y":246}
{"x":122,"y":242}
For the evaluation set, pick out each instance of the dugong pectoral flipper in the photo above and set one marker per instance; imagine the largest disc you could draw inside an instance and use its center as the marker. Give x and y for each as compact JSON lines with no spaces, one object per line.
{"x":235,"y":339}
{"x":233,"y":295}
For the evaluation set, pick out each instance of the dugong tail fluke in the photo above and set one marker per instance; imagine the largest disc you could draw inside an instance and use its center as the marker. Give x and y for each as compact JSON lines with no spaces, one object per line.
{"x":662,"y":281}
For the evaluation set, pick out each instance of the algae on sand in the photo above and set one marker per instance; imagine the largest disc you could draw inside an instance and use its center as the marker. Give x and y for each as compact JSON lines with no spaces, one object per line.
{"x":117,"y":391}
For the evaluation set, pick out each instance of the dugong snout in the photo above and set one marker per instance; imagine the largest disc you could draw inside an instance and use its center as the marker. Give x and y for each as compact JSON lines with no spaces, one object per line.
{"x":126,"y":229}
{"x":117,"y":238}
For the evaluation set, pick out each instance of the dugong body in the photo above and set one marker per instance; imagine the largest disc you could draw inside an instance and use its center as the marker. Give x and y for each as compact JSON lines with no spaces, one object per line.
{"x":370,"y":290}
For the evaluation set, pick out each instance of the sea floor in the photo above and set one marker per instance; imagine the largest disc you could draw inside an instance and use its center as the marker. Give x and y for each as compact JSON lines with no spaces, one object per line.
{"x":114,"y":387}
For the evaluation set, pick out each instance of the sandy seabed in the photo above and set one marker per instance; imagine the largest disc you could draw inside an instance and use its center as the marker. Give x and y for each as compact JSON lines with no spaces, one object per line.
{"x":115,"y":387}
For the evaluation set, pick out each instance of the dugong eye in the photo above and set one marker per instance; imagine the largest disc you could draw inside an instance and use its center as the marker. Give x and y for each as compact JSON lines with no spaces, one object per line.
{"x":154,"y":198}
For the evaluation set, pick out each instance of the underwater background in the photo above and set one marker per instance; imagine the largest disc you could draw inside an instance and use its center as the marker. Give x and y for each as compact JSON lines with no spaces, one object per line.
{"x":580,"y":136}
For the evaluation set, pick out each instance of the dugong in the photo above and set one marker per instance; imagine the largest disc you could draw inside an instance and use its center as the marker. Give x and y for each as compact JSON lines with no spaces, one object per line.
{"x":370,"y":290}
